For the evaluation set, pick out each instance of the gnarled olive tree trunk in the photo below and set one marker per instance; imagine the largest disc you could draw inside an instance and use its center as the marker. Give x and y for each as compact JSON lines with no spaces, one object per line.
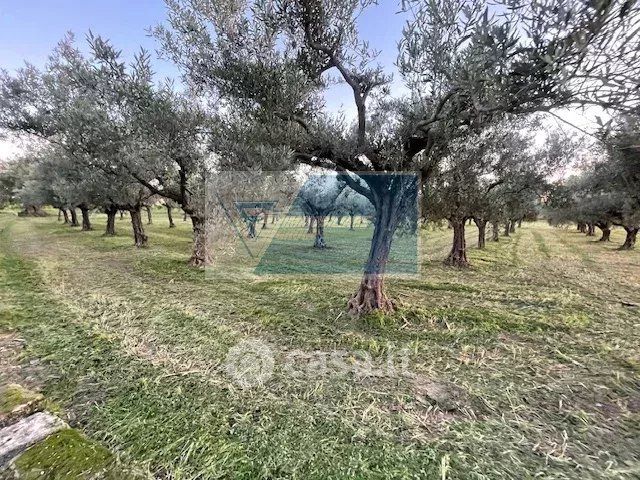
{"x":111,"y":212}
{"x":507,"y":229}
{"x":351,"y":217}
{"x":630,"y":240}
{"x":86,"y":221}
{"x":251,"y":226}
{"x":74,"y":217}
{"x":66,"y":215}
{"x":200,"y":256}
{"x":591,"y":230}
{"x":495,"y":231}
{"x":458,"y":255}
{"x":149,"y":215}
{"x":371,"y":296}
{"x":319,"y":242}
{"x":512,"y":226}
{"x":482,"y":228}
{"x":139,"y":237}
{"x":311,"y":219}
{"x":606,"y":231}
{"x":170,"y":216}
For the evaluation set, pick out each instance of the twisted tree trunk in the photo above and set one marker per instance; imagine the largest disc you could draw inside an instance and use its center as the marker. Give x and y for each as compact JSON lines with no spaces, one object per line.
{"x":320,"y":242}
{"x":591,"y":230}
{"x":458,"y":255}
{"x":311,"y":219}
{"x":371,"y":295}
{"x":111,"y":212}
{"x":606,"y":231}
{"x":512,"y":226}
{"x":200,"y":256}
{"x":351,"y":222}
{"x":507,"y":229}
{"x":66,"y":215}
{"x":74,"y":217}
{"x":630,"y":240}
{"x":139,"y":237}
{"x":86,"y":221}
{"x":495,"y":231}
{"x":482,"y":227}
{"x":170,"y":216}
{"x":149,"y":216}
{"x":252,"y":228}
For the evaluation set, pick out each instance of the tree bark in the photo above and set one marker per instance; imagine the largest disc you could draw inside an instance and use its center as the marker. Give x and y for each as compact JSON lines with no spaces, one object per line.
{"x":265,"y":219}
{"x":74,"y":217}
{"x":319,"y":242}
{"x":507,"y":229}
{"x":591,"y":230}
{"x":59,"y":214}
{"x":630,"y":240}
{"x":86,"y":221}
{"x":200,"y":256}
{"x":351,"y":222}
{"x":458,"y":255}
{"x":495,"y":231}
{"x":252,"y":228}
{"x":606,"y":231}
{"x":371,"y":295}
{"x":170,"y":216}
{"x":121,"y":214}
{"x":311,"y":219}
{"x":512,"y":226}
{"x":482,"y":227}
{"x":139,"y":237}
{"x":111,"y":220}
{"x":184,"y":217}
{"x":149,"y":216}
{"x":66,"y":215}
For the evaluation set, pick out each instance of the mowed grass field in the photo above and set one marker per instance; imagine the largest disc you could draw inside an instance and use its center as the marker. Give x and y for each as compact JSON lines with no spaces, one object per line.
{"x":539,"y":341}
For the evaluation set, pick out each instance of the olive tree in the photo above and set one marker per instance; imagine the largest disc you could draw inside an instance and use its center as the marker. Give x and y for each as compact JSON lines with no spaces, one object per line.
{"x":317,"y":198}
{"x":272,"y":61}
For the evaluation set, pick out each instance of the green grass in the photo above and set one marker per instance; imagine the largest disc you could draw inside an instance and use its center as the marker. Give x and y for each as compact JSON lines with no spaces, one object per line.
{"x":132,"y":344}
{"x":66,"y":455}
{"x":13,"y":396}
